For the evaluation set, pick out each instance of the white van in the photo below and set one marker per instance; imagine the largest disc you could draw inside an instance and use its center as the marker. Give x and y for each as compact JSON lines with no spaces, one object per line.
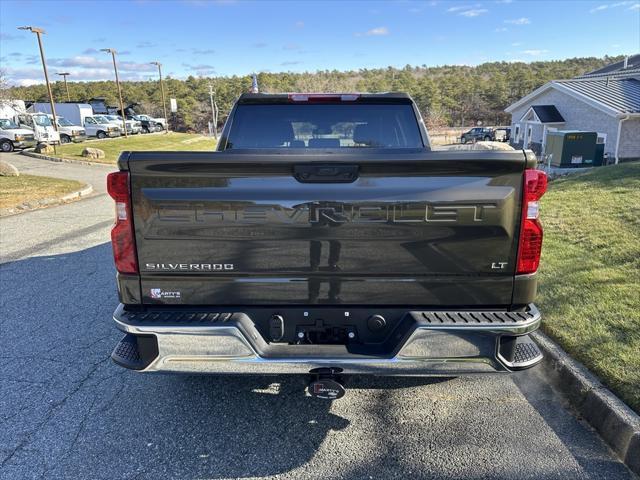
{"x":70,"y":132}
{"x":95,"y":126}
{"x":12,"y":136}
{"x":40,"y":125}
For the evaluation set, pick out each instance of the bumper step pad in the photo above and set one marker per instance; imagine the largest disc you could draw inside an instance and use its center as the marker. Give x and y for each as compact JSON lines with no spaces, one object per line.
{"x":135,"y":351}
{"x":519,"y":352}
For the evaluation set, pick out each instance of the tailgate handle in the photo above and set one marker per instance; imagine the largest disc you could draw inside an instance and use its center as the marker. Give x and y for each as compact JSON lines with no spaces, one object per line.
{"x":326,"y":173}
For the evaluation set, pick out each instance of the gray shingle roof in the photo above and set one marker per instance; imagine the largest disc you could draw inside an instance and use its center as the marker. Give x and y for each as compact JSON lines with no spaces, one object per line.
{"x":622,"y":95}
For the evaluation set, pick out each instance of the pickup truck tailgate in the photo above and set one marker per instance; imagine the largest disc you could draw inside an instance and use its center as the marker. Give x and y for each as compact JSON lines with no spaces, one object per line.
{"x":423,"y":228}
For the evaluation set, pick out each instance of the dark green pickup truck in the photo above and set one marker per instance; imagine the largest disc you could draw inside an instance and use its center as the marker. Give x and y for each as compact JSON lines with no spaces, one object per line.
{"x":325,"y":237}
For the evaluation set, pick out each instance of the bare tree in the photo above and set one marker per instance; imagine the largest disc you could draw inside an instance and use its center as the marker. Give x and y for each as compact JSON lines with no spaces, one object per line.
{"x":4,"y":88}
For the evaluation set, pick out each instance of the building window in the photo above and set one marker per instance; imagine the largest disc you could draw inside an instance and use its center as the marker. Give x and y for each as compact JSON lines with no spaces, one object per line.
{"x":602,"y":138}
{"x":529,"y":135}
{"x":517,"y":135}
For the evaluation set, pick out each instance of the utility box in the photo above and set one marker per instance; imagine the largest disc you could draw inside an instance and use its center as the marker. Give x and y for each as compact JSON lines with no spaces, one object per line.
{"x":571,"y":149}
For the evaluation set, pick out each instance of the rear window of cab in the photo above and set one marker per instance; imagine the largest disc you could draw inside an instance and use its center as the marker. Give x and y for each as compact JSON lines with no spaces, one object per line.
{"x":325,"y":126}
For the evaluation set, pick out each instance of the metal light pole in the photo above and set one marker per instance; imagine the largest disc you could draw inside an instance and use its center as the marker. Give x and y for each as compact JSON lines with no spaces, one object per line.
{"x":115,"y":68}
{"x":39,"y":32}
{"x":164,"y":103}
{"x":214,"y":111}
{"x":66,"y":87}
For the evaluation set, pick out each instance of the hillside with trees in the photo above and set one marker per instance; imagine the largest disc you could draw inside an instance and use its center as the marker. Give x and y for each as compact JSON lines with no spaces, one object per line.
{"x":449,"y":95}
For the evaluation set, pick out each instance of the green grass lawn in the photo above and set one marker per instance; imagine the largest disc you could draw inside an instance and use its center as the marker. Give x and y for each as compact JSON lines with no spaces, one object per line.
{"x":589,"y":291}
{"x":15,"y":191}
{"x":112,"y":147}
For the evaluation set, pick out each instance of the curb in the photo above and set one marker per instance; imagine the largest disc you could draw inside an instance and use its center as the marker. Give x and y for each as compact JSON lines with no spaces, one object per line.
{"x":616,"y":423}
{"x":63,"y":160}
{"x":83,"y":192}
{"x":47,"y":202}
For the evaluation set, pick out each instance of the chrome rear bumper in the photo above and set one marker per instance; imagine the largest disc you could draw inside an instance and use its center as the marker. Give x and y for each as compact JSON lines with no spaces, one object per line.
{"x":431,"y":348}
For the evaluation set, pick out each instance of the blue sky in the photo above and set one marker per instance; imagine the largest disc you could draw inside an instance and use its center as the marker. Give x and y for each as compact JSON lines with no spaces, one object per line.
{"x":226,"y":37}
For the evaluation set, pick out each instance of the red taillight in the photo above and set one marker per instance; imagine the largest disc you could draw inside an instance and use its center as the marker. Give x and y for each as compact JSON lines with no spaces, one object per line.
{"x":122,"y":240}
{"x":530,"y":243}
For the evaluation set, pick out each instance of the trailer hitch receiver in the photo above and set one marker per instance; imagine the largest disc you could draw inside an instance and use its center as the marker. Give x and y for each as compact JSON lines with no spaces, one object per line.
{"x":326,"y":384}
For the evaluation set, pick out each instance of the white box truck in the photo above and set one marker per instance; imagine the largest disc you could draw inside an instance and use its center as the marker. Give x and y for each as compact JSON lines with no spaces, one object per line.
{"x":34,"y":120}
{"x":74,"y":112}
{"x":81,"y":114}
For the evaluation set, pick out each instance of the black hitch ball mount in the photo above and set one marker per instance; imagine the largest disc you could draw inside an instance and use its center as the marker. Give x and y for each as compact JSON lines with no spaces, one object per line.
{"x":326,"y":383}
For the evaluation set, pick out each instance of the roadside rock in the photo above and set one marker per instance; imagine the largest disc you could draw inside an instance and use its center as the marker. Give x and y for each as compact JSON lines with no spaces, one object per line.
{"x":92,"y":153}
{"x":8,"y":170}
{"x":44,"y":149}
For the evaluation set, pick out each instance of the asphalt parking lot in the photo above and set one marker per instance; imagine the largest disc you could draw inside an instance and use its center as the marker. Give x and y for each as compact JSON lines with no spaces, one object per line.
{"x":66,"y":411}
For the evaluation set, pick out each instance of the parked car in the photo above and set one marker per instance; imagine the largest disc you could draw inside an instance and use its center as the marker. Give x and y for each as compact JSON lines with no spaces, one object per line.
{"x":97,"y":126}
{"x":147,"y":123}
{"x":503,"y":134}
{"x":130,"y":112}
{"x":161,"y":121}
{"x":13,"y":137}
{"x":477,"y":134}
{"x":372,"y":254}
{"x":133,"y":126}
{"x":70,"y":132}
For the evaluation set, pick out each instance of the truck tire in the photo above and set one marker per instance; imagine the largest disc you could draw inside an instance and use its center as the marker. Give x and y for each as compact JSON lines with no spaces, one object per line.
{"x":101,"y":134}
{"x":65,"y":139}
{"x":6,"y":146}
{"x":463,"y":139}
{"x":487,"y":138}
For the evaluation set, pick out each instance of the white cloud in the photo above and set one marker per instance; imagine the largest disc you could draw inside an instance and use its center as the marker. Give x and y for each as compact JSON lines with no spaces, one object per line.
{"x":299,"y":24}
{"x":374,"y":32}
{"x":607,"y":6}
{"x":31,"y":76}
{"x":145,"y":44}
{"x":534,"y":52}
{"x":88,"y":62}
{"x":457,"y":8}
{"x":27,"y":82}
{"x":516,"y":44}
{"x":199,"y":51}
{"x":378,"y":31}
{"x":81,"y":67}
{"x":473,"y":12}
{"x":501,"y":29}
{"x":518,"y":21}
